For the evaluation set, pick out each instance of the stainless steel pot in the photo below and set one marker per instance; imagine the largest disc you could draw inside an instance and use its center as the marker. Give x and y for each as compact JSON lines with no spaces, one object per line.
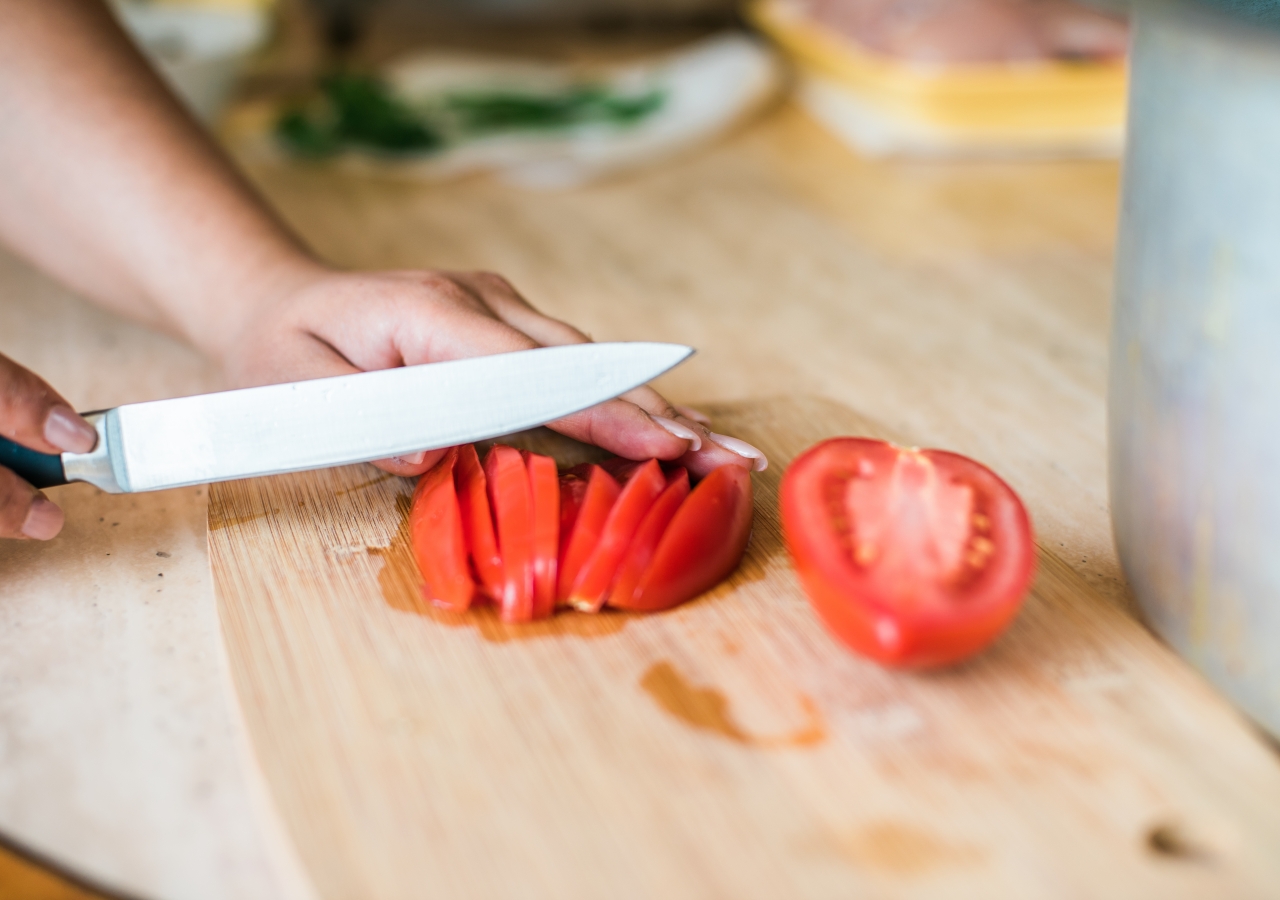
{"x":1195,"y":357}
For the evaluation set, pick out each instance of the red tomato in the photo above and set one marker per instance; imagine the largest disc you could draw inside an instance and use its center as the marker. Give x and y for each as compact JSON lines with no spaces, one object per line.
{"x":592,"y":584}
{"x":512,"y":502}
{"x":912,"y":557}
{"x":477,"y":521}
{"x":702,"y":545}
{"x":544,"y":482}
{"x":516,"y":532}
{"x":587,"y":510}
{"x":645,"y":543}
{"x":435,"y":528}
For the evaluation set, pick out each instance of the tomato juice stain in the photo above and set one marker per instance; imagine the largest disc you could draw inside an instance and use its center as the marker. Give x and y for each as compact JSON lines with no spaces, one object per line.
{"x":403,"y":590}
{"x":707,"y":709}
{"x":902,"y":849}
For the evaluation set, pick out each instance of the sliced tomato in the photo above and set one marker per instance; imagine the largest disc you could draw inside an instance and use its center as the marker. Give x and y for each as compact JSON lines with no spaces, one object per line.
{"x":477,"y":521}
{"x":911,"y":557}
{"x":544,"y":484}
{"x":435,"y":532}
{"x":703,"y":544}
{"x":621,"y":469}
{"x":587,"y":493}
{"x":645,"y":543}
{"x":512,"y":502}
{"x":592,"y":583}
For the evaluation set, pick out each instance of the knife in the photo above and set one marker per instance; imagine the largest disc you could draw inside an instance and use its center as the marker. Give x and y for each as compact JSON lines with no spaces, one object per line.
{"x":347,"y":419}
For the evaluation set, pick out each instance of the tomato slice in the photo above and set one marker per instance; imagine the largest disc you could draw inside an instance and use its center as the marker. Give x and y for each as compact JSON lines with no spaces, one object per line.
{"x":645,"y":543}
{"x":435,"y":532}
{"x":703,"y":544}
{"x":911,"y":557}
{"x":544,"y":484}
{"x":592,"y":583}
{"x":512,"y":502}
{"x":587,"y":493}
{"x":477,"y":521}
{"x":621,"y":469}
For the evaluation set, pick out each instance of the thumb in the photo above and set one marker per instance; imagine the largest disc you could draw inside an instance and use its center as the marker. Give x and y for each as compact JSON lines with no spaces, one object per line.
{"x":36,"y":416}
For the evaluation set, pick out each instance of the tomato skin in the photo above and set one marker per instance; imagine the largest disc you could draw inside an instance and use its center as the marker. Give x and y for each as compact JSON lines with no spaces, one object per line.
{"x":703,"y":543}
{"x":512,"y":501}
{"x":587,"y":510}
{"x":645,"y":543}
{"x":544,"y":484}
{"x":477,"y":521}
{"x":435,"y":533}
{"x":591,"y":586}
{"x":913,"y":558}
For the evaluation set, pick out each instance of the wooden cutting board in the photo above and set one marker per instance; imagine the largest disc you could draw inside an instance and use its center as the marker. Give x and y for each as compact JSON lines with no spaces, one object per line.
{"x":728,"y":748}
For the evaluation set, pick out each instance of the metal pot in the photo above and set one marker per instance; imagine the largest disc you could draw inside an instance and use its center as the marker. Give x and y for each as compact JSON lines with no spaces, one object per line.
{"x":1194,"y":400}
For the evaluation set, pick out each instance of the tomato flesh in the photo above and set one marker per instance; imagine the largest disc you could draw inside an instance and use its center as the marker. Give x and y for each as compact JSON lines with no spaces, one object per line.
{"x":512,"y":501}
{"x":477,"y":521}
{"x":589,"y":515}
{"x":703,"y":543}
{"x":591,"y":585}
{"x":435,"y":528}
{"x":911,"y":557}
{"x":544,"y":484}
{"x":645,"y":543}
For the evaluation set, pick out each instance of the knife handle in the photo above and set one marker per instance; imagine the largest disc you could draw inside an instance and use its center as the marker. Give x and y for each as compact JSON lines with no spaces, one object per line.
{"x":40,"y":470}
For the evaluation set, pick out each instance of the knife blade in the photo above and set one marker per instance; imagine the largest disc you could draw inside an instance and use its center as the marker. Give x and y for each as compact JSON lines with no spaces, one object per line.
{"x":346,"y":419}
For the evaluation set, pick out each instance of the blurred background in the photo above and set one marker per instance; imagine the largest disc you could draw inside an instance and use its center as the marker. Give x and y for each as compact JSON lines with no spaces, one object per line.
{"x":552,"y":93}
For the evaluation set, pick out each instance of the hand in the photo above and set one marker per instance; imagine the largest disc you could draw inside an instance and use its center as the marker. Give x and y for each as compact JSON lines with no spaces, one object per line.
{"x":337,"y":323}
{"x":35,"y":415}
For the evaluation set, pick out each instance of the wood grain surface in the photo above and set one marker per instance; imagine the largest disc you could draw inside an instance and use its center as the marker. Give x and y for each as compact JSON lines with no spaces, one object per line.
{"x":122,"y":755}
{"x":728,"y":748}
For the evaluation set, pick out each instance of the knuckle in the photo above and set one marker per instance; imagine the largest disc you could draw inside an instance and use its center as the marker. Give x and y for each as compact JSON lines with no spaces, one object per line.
{"x":24,"y":397}
{"x":493,"y":280}
{"x":15,"y":501}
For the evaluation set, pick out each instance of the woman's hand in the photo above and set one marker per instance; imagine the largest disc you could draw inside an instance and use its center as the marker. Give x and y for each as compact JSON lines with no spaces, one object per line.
{"x":335,"y":323}
{"x":35,"y":415}
{"x":157,"y":225}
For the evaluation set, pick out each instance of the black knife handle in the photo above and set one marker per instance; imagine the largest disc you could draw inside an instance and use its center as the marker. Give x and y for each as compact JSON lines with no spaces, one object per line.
{"x":40,"y":470}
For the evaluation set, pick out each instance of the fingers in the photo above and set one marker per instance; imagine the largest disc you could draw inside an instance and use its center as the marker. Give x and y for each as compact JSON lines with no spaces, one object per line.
{"x":36,"y":416}
{"x":25,"y":512}
{"x":410,"y":466}
{"x":639,"y":425}
{"x":509,"y":306}
{"x":630,"y":430}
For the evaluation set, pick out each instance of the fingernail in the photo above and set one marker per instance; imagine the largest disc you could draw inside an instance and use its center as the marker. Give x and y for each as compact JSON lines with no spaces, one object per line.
{"x":680,"y":431}
{"x":693,"y":415}
{"x":44,"y":519}
{"x":742,"y":448}
{"x":413,"y":459}
{"x":68,"y":432}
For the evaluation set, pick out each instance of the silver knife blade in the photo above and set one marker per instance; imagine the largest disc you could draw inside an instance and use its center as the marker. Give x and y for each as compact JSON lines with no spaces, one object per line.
{"x":356,"y":418}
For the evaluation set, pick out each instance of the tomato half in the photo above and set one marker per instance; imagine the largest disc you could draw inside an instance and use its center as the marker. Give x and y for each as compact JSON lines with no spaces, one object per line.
{"x":512,"y":502}
{"x":587,"y":493}
{"x":544,"y":484}
{"x":591,"y":586}
{"x":645,"y":543}
{"x":435,"y":530}
{"x":912,"y":557}
{"x":702,"y":545}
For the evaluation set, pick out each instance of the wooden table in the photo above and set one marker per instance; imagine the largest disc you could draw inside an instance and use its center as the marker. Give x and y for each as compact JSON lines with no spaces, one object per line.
{"x":958,"y":306}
